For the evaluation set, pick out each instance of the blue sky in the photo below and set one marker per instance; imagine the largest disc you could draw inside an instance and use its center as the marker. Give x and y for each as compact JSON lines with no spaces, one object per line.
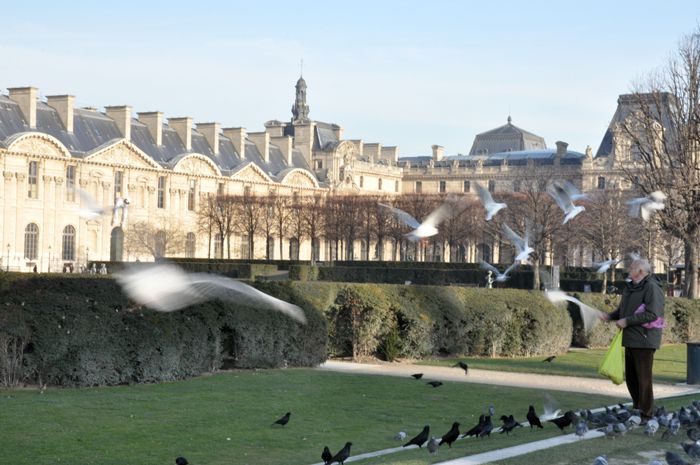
{"x":406,"y":73}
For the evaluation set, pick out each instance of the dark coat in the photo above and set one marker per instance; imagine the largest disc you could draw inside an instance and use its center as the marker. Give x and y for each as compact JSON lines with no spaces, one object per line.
{"x":648,"y":292}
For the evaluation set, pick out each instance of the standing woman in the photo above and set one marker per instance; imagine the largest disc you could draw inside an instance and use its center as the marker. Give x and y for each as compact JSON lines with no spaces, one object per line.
{"x":640,"y":315}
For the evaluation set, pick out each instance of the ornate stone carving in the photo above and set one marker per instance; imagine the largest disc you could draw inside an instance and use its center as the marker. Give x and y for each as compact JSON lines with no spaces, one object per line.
{"x":20,"y":176}
{"x":58,"y":180}
{"x":83,"y":182}
{"x":196,"y":167}
{"x":251,"y":174}
{"x":299,"y":179}
{"x":121,"y":154}
{"x":106,"y":185}
{"x":8,"y":175}
{"x":47,"y":179}
{"x":37,"y":145}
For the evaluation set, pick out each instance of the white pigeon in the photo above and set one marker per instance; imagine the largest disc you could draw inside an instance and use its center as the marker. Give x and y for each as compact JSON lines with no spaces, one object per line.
{"x":167,"y":288}
{"x":601,"y":460}
{"x":500,"y":277}
{"x":400,"y":436}
{"x":646,"y":206}
{"x":521,"y":245}
{"x":89,"y":209}
{"x":487,"y":201}
{"x":565,"y":202}
{"x":550,"y":408}
{"x":422,"y":230}
{"x":604,"y":266}
{"x":589,"y":315}
{"x":572,"y":191}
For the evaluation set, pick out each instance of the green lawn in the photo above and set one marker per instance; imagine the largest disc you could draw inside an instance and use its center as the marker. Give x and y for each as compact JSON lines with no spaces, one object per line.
{"x":669,"y":363}
{"x":226,"y":419}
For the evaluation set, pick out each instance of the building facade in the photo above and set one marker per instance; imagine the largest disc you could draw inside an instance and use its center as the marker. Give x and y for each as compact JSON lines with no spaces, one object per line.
{"x":142,"y":167}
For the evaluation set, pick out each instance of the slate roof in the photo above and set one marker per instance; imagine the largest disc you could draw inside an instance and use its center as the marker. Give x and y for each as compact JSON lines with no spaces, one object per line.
{"x":506,"y":138}
{"x":93,"y":129}
{"x":514,"y":158}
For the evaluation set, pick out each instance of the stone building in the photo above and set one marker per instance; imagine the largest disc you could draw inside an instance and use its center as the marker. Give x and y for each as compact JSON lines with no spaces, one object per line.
{"x":144,"y":167}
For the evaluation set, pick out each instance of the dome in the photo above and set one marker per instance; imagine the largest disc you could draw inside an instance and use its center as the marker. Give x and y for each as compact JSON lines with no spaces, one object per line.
{"x":506,"y":138}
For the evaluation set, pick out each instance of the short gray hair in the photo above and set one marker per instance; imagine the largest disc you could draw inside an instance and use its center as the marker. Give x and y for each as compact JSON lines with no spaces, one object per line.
{"x":641,"y":264}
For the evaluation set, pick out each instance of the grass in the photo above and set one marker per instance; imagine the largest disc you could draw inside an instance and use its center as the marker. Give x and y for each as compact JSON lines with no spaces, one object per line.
{"x":226,"y":418}
{"x":669,"y":364}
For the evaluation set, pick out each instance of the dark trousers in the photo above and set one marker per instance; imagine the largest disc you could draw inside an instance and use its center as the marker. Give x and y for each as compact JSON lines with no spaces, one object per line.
{"x":638,"y":363}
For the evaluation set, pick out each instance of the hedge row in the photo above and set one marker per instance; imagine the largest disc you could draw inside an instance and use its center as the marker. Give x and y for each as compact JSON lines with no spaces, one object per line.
{"x":82,"y":331}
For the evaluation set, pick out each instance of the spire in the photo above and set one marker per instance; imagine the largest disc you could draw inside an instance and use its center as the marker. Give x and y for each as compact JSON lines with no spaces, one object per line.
{"x":509,"y":119}
{"x":300,"y":110}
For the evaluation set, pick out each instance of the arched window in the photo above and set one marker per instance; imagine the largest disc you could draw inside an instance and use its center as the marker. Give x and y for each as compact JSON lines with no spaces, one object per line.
{"x":190,"y":245}
{"x":68,"y":251}
{"x":31,"y":241}
{"x":159,"y":245}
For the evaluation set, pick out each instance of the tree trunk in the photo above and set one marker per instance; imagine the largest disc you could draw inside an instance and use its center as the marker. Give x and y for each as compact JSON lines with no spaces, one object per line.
{"x":536,"y":274}
{"x":691,"y":270}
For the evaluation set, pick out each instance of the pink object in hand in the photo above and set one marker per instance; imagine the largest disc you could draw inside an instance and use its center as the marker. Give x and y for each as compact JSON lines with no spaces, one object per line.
{"x":657,"y":323}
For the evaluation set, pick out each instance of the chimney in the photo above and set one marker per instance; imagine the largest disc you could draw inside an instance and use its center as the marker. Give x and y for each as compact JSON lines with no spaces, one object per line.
{"x":154,"y":122}
{"x":274,"y":128}
{"x":237,"y":136}
{"x":337,"y":131}
{"x":438,"y":152}
{"x":262,"y":142}
{"x":183,"y":128}
{"x":63,"y":104}
{"x":561,"y":150}
{"x":390,"y":154}
{"x":285,"y":143}
{"x":26,"y":99}
{"x":210,"y":131}
{"x":359,"y":147}
{"x":372,"y":151}
{"x":122,"y":116}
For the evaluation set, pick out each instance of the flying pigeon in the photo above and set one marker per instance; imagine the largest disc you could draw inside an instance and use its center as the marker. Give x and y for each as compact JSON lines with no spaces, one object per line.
{"x":487,"y":201}
{"x":646,"y":206}
{"x":167,"y":288}
{"x":603,"y":266}
{"x":601,"y":460}
{"x":521,"y":245}
{"x":400,"y":436}
{"x":500,"y":277}
{"x":433,"y":445}
{"x":89,"y":210}
{"x":572,"y":191}
{"x":565,"y":202}
{"x":589,"y":315}
{"x":425,"y":229}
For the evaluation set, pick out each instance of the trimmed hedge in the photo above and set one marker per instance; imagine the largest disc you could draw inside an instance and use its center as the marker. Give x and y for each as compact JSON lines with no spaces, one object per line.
{"x":82,"y":331}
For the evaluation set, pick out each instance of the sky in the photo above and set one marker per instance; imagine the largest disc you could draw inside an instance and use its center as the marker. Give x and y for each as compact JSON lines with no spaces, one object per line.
{"x":402,"y":73}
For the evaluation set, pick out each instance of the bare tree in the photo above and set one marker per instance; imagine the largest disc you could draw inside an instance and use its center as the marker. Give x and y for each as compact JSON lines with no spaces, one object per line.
{"x":280,"y":207}
{"x":218,"y":213}
{"x":249,"y":213}
{"x":160,"y":238}
{"x":311,"y":214}
{"x":664,"y":147}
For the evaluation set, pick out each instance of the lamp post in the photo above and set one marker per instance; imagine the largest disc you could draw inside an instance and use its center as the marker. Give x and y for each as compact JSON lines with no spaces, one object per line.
{"x":7,"y":268}
{"x":49,"y":267}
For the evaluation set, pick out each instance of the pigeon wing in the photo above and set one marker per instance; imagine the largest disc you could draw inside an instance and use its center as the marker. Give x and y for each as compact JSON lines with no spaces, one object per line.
{"x":484,"y":195}
{"x":438,"y":215}
{"x":402,"y":216}
{"x":164,"y":288}
{"x":487,"y":266}
{"x":514,"y":238}
{"x":214,"y":286}
{"x":90,"y":209}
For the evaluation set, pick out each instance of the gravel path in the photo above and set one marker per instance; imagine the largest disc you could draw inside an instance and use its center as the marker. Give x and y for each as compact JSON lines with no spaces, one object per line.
{"x":501,"y":378}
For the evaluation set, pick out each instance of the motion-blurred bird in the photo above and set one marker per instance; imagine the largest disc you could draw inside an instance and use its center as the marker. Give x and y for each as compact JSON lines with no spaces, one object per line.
{"x":420,"y":438}
{"x":417,"y":375}
{"x":434,"y":383}
{"x":400,"y":436}
{"x":284,"y":420}
{"x":589,"y":315}
{"x":487,"y":201}
{"x":500,"y":277}
{"x":532,"y":418}
{"x":692,"y":449}
{"x":451,"y":436}
{"x":693,"y":434}
{"x":509,"y":424}
{"x":646,"y":206}
{"x":181,"y":461}
{"x":326,"y":455}
{"x":602,"y":267}
{"x":521,"y":244}
{"x":674,"y":459}
{"x":463,"y":366}
{"x":491,"y":410}
{"x":564,"y":420}
{"x":342,"y":454}
{"x":89,"y":209}
{"x":651,"y":427}
{"x":476,"y":430}
{"x":167,"y":288}
{"x":581,"y":428}
{"x":550,"y":359}
{"x":487,"y":427}
{"x":565,"y":202}
{"x":422,"y":230}
{"x":433,"y":445}
{"x":601,"y":460}
{"x":551,"y":408}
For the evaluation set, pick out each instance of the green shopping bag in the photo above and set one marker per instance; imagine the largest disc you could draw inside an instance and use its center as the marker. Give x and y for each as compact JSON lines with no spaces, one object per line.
{"x":613,"y":364}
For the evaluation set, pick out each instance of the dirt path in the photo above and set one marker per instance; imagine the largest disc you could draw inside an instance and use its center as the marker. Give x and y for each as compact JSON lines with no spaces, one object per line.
{"x":549,"y":382}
